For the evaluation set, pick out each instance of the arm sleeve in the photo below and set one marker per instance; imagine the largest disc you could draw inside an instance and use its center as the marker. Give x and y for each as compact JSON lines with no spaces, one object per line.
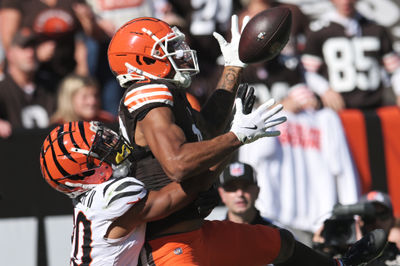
{"x":341,"y":163}
{"x":316,"y":82}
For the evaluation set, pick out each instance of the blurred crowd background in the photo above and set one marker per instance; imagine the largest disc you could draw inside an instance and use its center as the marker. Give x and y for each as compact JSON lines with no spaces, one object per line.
{"x":341,"y":139}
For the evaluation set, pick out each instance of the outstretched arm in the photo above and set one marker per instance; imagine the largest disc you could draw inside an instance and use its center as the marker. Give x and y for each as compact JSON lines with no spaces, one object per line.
{"x":159,"y":204}
{"x":181,"y":159}
{"x":218,"y":107}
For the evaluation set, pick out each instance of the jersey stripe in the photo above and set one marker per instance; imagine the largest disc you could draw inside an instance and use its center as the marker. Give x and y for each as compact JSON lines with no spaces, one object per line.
{"x":122,"y":188}
{"x":125,"y":194}
{"x":146,"y":94}
{"x":148,"y":102}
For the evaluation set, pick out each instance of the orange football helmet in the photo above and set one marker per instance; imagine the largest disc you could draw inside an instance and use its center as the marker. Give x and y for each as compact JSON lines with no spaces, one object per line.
{"x":148,"y":48}
{"x":79,"y":155}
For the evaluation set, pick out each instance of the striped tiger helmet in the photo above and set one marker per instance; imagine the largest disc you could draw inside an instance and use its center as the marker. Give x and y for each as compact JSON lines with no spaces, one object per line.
{"x":148,"y":48}
{"x":77,"y":156}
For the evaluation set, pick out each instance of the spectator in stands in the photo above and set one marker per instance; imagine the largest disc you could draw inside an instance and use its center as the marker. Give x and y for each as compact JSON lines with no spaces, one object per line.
{"x":201,"y":20}
{"x":304,"y":172}
{"x":343,"y":57}
{"x":59,"y":24}
{"x":23,"y":102}
{"x":79,"y":99}
{"x":238,"y":191}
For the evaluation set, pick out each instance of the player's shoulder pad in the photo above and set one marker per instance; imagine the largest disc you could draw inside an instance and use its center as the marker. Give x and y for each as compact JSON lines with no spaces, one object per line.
{"x":140,"y":96}
{"x":123,"y":191}
{"x":319,"y":24}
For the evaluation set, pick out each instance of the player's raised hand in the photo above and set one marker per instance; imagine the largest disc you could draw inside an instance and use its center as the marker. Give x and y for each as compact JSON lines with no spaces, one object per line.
{"x":252,"y":126}
{"x":230,"y":51}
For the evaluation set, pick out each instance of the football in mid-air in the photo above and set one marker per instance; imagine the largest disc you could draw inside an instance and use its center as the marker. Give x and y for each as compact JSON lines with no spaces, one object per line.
{"x":265,"y":35}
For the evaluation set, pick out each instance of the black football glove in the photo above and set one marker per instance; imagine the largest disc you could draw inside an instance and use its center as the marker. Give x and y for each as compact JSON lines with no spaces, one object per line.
{"x":247,"y":96}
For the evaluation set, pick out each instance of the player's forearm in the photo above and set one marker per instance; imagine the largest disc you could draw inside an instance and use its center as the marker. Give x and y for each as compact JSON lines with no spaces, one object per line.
{"x":9,"y":22}
{"x":196,"y":157}
{"x":169,"y":199}
{"x":156,"y":205}
{"x":218,"y":108}
{"x":175,"y":196}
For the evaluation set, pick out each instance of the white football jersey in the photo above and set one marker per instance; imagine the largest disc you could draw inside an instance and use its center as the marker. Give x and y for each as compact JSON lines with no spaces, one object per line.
{"x":305,"y":171}
{"x":93,"y":214}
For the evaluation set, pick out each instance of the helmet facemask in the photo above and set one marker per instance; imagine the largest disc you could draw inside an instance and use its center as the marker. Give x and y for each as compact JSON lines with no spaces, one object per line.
{"x":109,"y":146}
{"x":178,"y":52}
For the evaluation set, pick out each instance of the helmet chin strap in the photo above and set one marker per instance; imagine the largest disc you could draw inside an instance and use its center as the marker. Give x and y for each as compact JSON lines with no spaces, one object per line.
{"x":122,"y":169}
{"x":182,"y":79}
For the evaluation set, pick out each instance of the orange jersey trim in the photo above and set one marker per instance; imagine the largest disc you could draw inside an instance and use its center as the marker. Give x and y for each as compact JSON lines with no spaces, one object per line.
{"x":148,"y":94}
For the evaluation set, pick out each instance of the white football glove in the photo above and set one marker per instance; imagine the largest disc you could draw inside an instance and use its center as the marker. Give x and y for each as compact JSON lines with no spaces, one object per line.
{"x":230,"y":51}
{"x":253,"y":126}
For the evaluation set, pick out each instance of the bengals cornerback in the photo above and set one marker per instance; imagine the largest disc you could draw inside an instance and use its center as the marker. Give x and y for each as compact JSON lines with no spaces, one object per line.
{"x":76,"y":159}
{"x":90,"y":163}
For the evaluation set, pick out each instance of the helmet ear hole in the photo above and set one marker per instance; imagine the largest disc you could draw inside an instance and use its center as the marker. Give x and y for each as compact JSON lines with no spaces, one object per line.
{"x":138,"y":60}
{"x":144,"y":60}
{"x":148,"y":60}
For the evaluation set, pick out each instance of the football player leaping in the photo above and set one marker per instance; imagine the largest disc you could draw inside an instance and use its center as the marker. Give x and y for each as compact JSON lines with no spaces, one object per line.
{"x":154,"y":63}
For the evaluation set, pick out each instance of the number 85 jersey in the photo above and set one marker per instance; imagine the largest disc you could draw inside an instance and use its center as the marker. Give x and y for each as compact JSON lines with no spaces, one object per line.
{"x":94,"y":212}
{"x":349,"y":55}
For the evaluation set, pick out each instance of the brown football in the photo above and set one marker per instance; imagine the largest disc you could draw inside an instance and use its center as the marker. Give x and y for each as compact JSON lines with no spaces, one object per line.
{"x":265,"y":35}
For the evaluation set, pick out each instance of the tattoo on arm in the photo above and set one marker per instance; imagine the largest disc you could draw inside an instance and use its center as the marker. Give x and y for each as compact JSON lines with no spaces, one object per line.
{"x":217,"y":110}
{"x":229,"y":79}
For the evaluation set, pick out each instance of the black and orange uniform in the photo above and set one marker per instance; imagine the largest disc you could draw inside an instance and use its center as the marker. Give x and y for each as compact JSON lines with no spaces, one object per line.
{"x":203,"y":245}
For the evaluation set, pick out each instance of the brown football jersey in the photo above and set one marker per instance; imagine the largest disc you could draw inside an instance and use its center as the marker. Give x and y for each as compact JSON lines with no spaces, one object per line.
{"x":137,"y":101}
{"x":351,"y":64}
